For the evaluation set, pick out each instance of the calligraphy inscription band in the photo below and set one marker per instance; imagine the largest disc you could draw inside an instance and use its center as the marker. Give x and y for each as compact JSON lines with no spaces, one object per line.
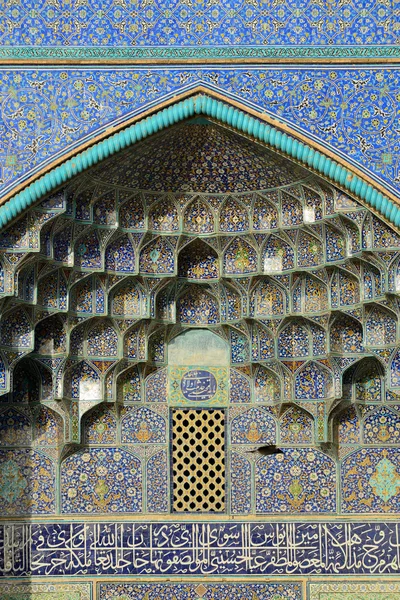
{"x":54,"y":549}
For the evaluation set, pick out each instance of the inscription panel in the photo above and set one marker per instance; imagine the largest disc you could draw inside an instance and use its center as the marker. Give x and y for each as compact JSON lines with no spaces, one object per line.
{"x":128,"y":548}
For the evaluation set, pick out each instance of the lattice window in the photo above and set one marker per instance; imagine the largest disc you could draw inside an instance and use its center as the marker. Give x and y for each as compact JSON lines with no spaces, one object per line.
{"x":198,"y":460}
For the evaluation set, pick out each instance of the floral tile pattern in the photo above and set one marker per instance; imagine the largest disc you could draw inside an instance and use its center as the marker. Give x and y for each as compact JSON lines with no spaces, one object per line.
{"x":325,"y":103}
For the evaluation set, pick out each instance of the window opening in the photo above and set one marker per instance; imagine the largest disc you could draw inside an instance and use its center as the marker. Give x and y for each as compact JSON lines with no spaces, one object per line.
{"x":198,"y":460}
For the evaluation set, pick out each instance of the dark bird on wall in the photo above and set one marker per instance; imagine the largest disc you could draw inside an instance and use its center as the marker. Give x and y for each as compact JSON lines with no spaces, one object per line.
{"x":267,"y":450}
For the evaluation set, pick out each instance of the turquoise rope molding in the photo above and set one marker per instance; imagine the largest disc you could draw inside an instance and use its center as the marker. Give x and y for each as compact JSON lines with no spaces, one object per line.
{"x":201,"y":104}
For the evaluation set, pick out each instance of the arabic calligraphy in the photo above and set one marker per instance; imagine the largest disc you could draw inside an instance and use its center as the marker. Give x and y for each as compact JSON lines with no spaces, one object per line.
{"x":194,"y":384}
{"x":198,"y":385}
{"x":54,"y":549}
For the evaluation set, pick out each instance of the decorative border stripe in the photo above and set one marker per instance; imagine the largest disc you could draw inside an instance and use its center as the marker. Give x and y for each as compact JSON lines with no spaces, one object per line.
{"x":202,"y":53}
{"x":202,"y":104}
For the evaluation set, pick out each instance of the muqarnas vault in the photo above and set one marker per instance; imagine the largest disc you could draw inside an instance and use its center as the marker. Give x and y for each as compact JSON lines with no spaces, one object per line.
{"x":164,"y":315}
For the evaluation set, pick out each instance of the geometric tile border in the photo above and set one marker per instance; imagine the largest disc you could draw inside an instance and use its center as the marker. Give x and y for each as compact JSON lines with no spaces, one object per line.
{"x":361,"y":590}
{"x":199,"y":591}
{"x":45,"y":591}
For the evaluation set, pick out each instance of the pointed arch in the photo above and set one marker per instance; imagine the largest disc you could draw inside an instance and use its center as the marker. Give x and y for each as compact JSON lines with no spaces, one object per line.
{"x":198,"y":260}
{"x":382,"y":426}
{"x":267,"y":386}
{"x":83,"y":383}
{"x":120,"y":256}
{"x":346,"y":335}
{"x":277,"y":255}
{"x":201,"y":101}
{"x":254,"y":426}
{"x":380,"y":327}
{"x":265,"y":215}
{"x":16,"y":329}
{"x":105,"y":209}
{"x":269,"y":298}
{"x":233,"y":217}
{"x":294,"y":341}
{"x":87,"y":254}
{"x":131,"y":213}
{"x":198,"y":217}
{"x":368,"y":380}
{"x":102,"y":339}
{"x":296,"y":426}
{"x":52,"y":290}
{"x":164,"y":216}
{"x":240,"y":258}
{"x":128,"y":299}
{"x":292,"y":210}
{"x":15,"y":428}
{"x":99,"y":425}
{"x":157,"y":258}
{"x":197,"y":306}
{"x":309,"y":250}
{"x":313,"y":381}
{"x":347,"y":430}
{"x":50,"y":336}
{"x":335,"y":244}
{"x":142,"y":426}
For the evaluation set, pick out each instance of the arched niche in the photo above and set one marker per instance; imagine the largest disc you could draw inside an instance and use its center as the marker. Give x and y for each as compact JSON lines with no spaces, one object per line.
{"x":294,"y":341}
{"x":198,"y":347}
{"x":368,"y":381}
{"x":267,"y":386}
{"x":347,"y":430}
{"x":52,"y":291}
{"x":278,"y":255}
{"x":120,"y":256}
{"x":344,"y":289}
{"x":313,"y":381}
{"x":105,"y":209}
{"x":99,"y":425}
{"x":197,"y":306}
{"x":142,"y":425}
{"x":128,"y":299}
{"x":50,"y":336}
{"x":129,"y":386}
{"x":82,"y":382}
{"x":296,"y":426}
{"x":198,"y":261}
{"x":26,"y":384}
{"x":157,"y":258}
{"x":198,"y":217}
{"x":382,"y":426}
{"x":233,"y":217}
{"x":268,"y":299}
{"x":87,"y":253}
{"x":346,"y":335}
{"x":380,"y":327}
{"x":254,"y":426}
{"x":240,"y":258}
{"x":131,"y":211}
{"x":265,"y":214}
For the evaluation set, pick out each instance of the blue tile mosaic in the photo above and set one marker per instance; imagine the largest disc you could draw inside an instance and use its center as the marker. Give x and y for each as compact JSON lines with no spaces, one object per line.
{"x":325,"y":104}
{"x":115,"y":30}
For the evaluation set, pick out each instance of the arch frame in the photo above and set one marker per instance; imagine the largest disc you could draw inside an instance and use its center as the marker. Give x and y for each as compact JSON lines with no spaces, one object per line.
{"x":201,"y":102}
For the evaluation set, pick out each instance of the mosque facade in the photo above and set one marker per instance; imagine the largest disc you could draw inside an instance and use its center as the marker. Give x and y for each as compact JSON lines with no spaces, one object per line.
{"x":200,"y":300}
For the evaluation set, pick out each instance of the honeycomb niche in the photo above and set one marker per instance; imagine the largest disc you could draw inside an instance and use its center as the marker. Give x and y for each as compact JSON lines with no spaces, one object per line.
{"x":194,"y":289}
